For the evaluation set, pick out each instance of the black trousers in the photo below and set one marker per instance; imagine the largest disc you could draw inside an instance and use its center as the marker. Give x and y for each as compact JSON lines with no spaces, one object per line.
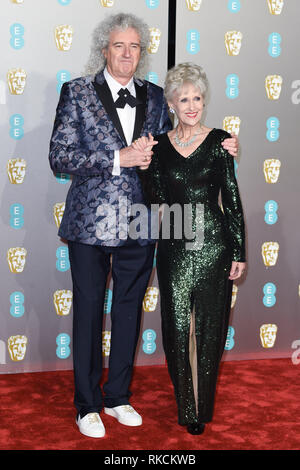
{"x":131,"y":267}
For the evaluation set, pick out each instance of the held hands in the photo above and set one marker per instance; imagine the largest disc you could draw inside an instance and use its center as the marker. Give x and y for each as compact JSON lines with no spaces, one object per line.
{"x":232,"y":145}
{"x":144,"y":145}
{"x":237,"y":270}
{"x":139,"y":153}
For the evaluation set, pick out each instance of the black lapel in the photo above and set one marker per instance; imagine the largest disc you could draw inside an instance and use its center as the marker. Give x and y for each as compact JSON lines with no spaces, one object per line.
{"x":141,"y":94}
{"x":106,"y":99}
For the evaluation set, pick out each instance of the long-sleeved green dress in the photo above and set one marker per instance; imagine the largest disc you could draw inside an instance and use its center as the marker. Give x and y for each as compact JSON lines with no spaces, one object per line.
{"x":193,"y":277}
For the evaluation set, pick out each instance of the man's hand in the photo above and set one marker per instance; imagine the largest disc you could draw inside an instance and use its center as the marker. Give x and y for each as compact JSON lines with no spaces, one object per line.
{"x":232,"y":145}
{"x":129,"y":157}
{"x":139,"y":153}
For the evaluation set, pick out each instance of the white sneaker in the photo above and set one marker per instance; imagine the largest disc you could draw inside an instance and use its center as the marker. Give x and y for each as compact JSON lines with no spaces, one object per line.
{"x":91,"y":425}
{"x":125,"y":414}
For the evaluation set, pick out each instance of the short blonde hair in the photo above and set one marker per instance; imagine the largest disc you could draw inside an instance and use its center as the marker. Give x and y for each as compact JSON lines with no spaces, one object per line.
{"x":187,"y":72}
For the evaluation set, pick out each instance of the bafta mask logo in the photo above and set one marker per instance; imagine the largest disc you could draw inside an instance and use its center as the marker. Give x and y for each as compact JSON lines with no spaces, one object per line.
{"x":16,"y":169}
{"x":268,"y":335}
{"x":58,"y":212}
{"x":193,"y":5}
{"x":150,"y":299}
{"x":275,"y":6}
{"x":232,"y":124}
{"x":63,"y":37}
{"x":233,"y":42}
{"x":105,"y":343}
{"x":18,"y":2}
{"x":16,"y":80}
{"x":62,"y":300}
{"x":234,"y":295}
{"x":107,"y":3}
{"x":16,"y":258}
{"x":272,"y":170}
{"x":17,"y":347}
{"x":155,"y":35}
{"x":269,"y":251}
{"x":273,"y":85}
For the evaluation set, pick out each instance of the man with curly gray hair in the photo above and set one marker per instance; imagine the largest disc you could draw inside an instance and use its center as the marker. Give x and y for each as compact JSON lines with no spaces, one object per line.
{"x":101,"y":38}
{"x":98,"y":116}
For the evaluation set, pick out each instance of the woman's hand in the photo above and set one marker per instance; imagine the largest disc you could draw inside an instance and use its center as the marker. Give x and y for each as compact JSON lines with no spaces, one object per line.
{"x":237,"y":270}
{"x":144,"y":144}
{"x":232,"y":145}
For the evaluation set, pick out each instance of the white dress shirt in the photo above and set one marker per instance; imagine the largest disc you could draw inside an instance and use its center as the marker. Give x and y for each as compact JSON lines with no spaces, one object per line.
{"x":126,"y":114}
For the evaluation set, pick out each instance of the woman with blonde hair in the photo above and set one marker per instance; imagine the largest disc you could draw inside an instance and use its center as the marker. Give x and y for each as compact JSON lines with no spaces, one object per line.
{"x":190,"y":168}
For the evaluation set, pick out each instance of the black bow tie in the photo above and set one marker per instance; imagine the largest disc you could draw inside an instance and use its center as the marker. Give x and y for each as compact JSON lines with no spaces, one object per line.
{"x":125,"y":97}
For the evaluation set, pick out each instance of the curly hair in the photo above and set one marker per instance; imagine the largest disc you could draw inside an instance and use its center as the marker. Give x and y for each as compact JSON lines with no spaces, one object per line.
{"x":183,"y":73}
{"x":100,"y":41}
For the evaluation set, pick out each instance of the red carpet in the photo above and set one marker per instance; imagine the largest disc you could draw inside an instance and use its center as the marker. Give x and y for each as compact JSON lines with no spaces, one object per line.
{"x":257,"y":408}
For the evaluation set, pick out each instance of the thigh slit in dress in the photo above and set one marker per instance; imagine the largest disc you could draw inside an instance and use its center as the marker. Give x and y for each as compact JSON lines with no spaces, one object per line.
{"x":194,"y":283}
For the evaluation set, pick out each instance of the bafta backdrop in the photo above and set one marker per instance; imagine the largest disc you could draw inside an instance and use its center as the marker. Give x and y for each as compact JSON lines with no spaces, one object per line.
{"x":249,"y":51}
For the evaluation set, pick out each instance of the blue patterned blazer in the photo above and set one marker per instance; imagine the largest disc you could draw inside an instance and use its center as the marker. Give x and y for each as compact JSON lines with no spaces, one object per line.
{"x":86,"y":133}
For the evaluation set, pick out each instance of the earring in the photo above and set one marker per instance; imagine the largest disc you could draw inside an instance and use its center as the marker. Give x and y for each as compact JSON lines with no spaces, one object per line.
{"x":171,"y":110}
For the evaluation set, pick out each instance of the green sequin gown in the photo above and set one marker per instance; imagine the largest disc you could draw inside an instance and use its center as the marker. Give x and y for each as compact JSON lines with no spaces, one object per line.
{"x":194,"y":286}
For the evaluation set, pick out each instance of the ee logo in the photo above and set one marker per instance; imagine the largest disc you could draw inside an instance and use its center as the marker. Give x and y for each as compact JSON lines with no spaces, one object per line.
{"x":229,"y":340}
{"x":272,"y":129}
{"x":62,"y":262}
{"x":232,"y":82}
{"x":62,"y":76}
{"x":107,"y":301}
{"x":62,"y":178}
{"x":274,"y":48}
{"x":64,"y":2}
{"x":16,"y":122}
{"x":193,"y":37}
{"x":271,"y":216}
{"x":16,"y":304}
{"x":17,"y":33}
{"x":152,"y":4}
{"x":154,"y":258}
{"x":63,"y":342}
{"x":149,"y":337}
{"x":234,"y":6}
{"x":152,"y":77}
{"x":235,"y":168}
{"x":269,"y":291}
{"x":16,"y":216}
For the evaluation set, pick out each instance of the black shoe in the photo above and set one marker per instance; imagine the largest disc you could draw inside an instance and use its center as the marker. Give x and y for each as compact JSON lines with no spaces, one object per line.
{"x":196,"y":428}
